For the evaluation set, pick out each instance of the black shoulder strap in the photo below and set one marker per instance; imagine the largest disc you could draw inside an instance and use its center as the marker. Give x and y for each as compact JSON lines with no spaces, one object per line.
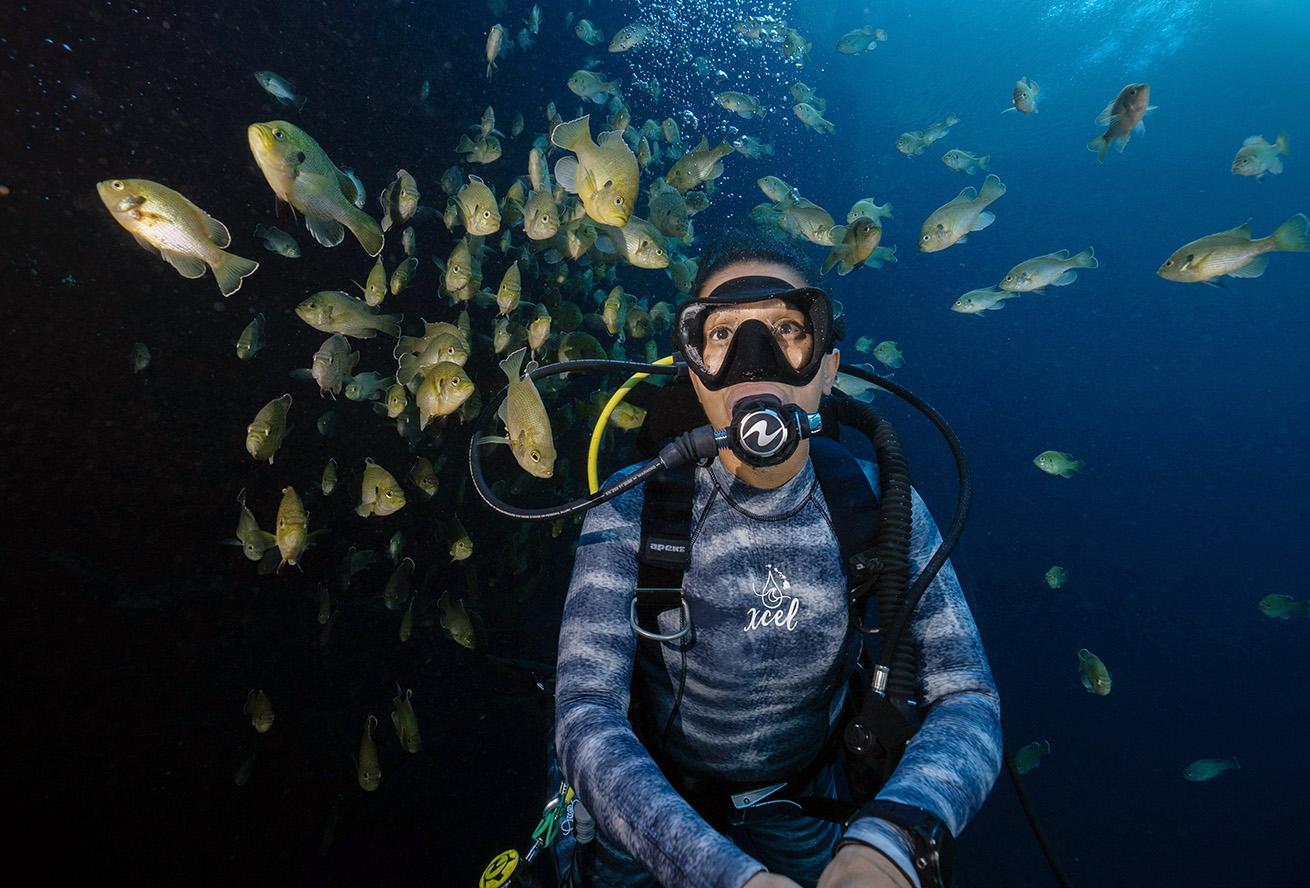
{"x":852,"y":504}
{"x":665,"y":548}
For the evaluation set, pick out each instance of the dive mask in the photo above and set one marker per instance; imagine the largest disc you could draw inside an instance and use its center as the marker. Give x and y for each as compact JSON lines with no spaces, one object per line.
{"x":755,"y":329}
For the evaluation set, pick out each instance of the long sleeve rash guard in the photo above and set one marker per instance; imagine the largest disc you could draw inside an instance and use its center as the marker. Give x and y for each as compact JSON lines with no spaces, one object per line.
{"x":764,"y":683}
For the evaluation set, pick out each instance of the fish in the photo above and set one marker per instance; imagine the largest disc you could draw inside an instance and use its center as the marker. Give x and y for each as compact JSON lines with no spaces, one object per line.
{"x":963,"y":162}
{"x":1234,"y":253}
{"x":254,"y":543}
{"x":860,"y":40}
{"x":167,"y":224}
{"x":367,"y":386}
{"x":375,"y":286}
{"x":495,"y":46}
{"x":1024,"y":98}
{"x":397,"y":590}
{"x":527,"y":425}
{"x":864,"y":344}
{"x":280,"y":88}
{"x":510,"y":290}
{"x":451,"y":179}
{"x":483,"y":149}
{"x":266,"y":432}
{"x":1056,"y":577}
{"x":889,"y":354}
{"x":752,"y":147}
{"x":588,"y":33}
{"x":409,"y":241}
{"x":683,"y":274}
{"x":424,"y":477}
{"x":455,"y":620}
{"x":1281,"y":607}
{"x":332,"y":311}
{"x":629,"y":37}
{"x":953,"y":221}
{"x":1053,"y":462}
{"x":332,"y":364}
{"x":324,"y":604}
{"x":975,"y":302}
{"x":1257,"y":157}
{"x":638,"y":243}
{"x":461,"y":544}
{"x":399,"y":200}
{"x":593,"y":87}
{"x":327,"y":424}
{"x":260,"y":710}
{"x":477,"y":207}
{"x":813,"y":118}
{"x":328,"y":483}
{"x":533,"y":21}
{"x":700,"y":164}
{"x":880,"y":256}
{"x":401,"y":277}
{"x":251,"y":339}
{"x":670,"y":130}
{"x":1096,"y":678}
{"x":292,"y":528}
{"x":604,"y":175}
{"x":539,"y":329}
{"x":1121,"y":118}
{"x":443,"y":390}
{"x":1030,"y":756}
{"x":301,"y":174}
{"x":139,"y":357}
{"x":1207,"y":769}
{"x":278,"y":241}
{"x":580,"y":346}
{"x":777,"y":190}
{"x":405,"y":721}
{"x":804,"y":219}
{"x":740,"y":103}
{"x":368,"y":767}
{"x":796,"y":47}
{"x":1052,"y":270}
{"x":858,"y":243}
{"x":804,"y":95}
{"x":379,"y":494}
{"x":407,"y":621}
{"x":540,"y":216}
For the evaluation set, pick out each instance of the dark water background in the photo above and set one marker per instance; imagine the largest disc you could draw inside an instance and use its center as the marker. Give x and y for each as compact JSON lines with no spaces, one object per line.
{"x":131,"y":638}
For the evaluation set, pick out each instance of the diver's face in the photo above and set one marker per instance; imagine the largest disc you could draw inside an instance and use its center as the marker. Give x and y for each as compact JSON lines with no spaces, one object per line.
{"x":777,"y":315}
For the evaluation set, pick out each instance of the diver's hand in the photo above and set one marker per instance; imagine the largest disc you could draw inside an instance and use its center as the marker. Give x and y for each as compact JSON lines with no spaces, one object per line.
{"x":859,"y":866}
{"x":769,"y":880}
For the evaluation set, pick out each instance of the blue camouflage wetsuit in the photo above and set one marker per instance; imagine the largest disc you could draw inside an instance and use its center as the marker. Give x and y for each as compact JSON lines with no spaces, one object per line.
{"x":767,"y":597}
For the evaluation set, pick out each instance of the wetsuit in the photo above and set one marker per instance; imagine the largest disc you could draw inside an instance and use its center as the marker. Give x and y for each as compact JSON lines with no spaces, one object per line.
{"x":764,"y":687}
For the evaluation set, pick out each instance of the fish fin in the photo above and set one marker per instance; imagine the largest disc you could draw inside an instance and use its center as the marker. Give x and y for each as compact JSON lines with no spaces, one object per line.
{"x":304,"y":374}
{"x":1252,"y":140}
{"x":1292,"y":236}
{"x":1011,"y":108}
{"x":1275,"y":166}
{"x":836,"y":235}
{"x":1101,"y":145}
{"x":984,"y":161}
{"x":1086,"y":259}
{"x":328,"y":232}
{"x":1215,"y":283}
{"x":494,"y":439}
{"x":270,"y":562}
{"x":513,"y":364}
{"x":1282,"y":144}
{"x":1059,"y":254}
{"x":365,"y":229}
{"x":605,"y":244}
{"x":1242,"y":231}
{"x":1252,"y":269}
{"x":715,"y":171}
{"x":962,"y":240}
{"x":831,"y":259}
{"x":230,"y":541}
{"x":1104,"y":118}
{"x":347,"y":185}
{"x":145,"y":244}
{"x":984,"y":219}
{"x":992,"y":188}
{"x":967,"y":194}
{"x":1065,"y":279}
{"x":230,"y":270}
{"x":573,"y":133}
{"x":216,"y":231}
{"x":1140,"y":128}
{"x":566,"y":173}
{"x":188,"y":266}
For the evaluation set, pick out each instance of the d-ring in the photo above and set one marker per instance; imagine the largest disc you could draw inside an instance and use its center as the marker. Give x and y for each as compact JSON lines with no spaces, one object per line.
{"x":655,"y":636}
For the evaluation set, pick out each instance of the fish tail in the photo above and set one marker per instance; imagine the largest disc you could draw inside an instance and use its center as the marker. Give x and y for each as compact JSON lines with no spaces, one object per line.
{"x":365,"y":229}
{"x":832,"y":258}
{"x":300,"y":102}
{"x":983,"y":161}
{"x":992,"y":188}
{"x":388,"y":324}
{"x":1101,"y":145}
{"x":513,"y":364}
{"x":1085,"y":259}
{"x":1282,"y":144}
{"x":573,"y":133}
{"x":230,"y":270}
{"x":1293,"y":236}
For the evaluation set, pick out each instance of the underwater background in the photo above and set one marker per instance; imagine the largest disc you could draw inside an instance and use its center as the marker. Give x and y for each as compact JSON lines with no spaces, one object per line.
{"x":131,"y":637}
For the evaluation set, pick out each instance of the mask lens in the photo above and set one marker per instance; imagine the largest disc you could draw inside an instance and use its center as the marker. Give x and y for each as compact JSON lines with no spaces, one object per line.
{"x":786,"y":324}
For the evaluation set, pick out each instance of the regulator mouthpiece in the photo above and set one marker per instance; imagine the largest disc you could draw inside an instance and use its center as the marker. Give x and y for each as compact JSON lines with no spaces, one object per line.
{"x":766,"y":432}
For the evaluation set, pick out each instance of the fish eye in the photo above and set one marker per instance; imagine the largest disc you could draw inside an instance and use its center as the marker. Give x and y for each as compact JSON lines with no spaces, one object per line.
{"x":279,"y":135}
{"x":486,"y":214}
{"x":1190,"y":257}
{"x":927,"y":237}
{"x":117,"y":185}
{"x":618,"y":201}
{"x":536,"y":457}
{"x":1168,"y":263}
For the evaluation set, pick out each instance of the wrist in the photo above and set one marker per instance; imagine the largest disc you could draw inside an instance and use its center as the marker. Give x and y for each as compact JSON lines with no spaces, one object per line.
{"x":925,"y":843}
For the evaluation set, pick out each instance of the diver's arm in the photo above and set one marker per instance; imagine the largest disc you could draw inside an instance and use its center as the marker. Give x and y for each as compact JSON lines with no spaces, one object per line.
{"x":952,"y":761}
{"x":600,"y":756}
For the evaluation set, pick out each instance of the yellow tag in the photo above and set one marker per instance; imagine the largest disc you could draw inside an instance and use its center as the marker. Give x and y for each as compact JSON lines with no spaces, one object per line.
{"x":499,"y":870}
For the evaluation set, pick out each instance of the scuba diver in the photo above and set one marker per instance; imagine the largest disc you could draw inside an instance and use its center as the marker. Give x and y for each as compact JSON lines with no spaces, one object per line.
{"x":708,"y":722}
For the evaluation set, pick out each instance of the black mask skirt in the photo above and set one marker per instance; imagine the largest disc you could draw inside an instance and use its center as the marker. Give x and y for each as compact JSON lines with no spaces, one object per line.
{"x":756,"y":351}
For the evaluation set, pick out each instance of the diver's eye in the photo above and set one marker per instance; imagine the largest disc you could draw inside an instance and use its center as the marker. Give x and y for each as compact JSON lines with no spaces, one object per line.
{"x":117,"y":185}
{"x":279,"y":135}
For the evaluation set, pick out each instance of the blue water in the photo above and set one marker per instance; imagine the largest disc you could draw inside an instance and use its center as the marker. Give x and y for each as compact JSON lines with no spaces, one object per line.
{"x":131,"y":638}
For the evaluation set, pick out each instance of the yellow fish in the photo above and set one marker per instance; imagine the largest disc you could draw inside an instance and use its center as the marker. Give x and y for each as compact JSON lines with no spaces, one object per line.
{"x":301,"y":174}
{"x":424,"y":477}
{"x":700,"y":164}
{"x":405,"y":721}
{"x":953,"y":221}
{"x":369,"y":767}
{"x":527,"y":424}
{"x":637,"y":243}
{"x":1234,"y":253}
{"x":253,"y":541}
{"x":1096,"y":678}
{"x":166,"y":223}
{"x":858,"y":243}
{"x":260,"y":711}
{"x":292,"y":527}
{"x":1052,"y":270}
{"x":379,"y":494}
{"x":265,"y":433}
{"x":477,"y":207}
{"x":332,"y":311}
{"x":443,"y":390}
{"x":604,"y":176}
